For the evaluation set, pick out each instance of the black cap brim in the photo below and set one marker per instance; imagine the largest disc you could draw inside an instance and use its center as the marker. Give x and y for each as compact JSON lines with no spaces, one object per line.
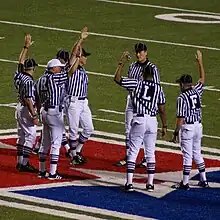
{"x":84,"y":53}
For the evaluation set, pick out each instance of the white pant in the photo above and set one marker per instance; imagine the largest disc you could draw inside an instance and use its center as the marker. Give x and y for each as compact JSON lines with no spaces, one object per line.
{"x":26,"y":127}
{"x":190,"y":141}
{"x":128,"y":116}
{"x":78,"y":113}
{"x":143,"y":129}
{"x":53,"y":128}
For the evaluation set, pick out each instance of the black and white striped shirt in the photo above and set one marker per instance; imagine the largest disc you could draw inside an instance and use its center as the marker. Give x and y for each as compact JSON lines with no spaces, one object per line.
{"x":135,"y":71}
{"x":145,"y":95}
{"x":78,"y":83}
{"x":24,"y":85}
{"x":52,"y":88}
{"x":189,"y":104}
{"x":41,"y":89}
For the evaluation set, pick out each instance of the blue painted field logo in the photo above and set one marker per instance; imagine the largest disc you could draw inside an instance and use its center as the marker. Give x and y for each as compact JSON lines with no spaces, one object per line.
{"x":190,"y":18}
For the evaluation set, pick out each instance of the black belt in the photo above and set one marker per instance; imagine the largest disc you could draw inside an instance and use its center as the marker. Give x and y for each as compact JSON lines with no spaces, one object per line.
{"x":82,"y":98}
{"x":53,"y":107}
{"x":142,"y":115}
{"x":79,"y":98}
{"x":191,"y":123}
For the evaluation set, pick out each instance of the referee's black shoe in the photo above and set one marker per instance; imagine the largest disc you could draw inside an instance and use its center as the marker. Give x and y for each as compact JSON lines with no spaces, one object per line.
{"x":28,"y":168}
{"x":128,"y":188}
{"x":180,"y":186}
{"x":121,"y":163}
{"x":203,"y":184}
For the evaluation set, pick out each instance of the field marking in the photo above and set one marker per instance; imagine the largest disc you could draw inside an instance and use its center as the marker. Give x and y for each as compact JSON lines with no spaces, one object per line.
{"x":7,"y":133}
{"x":72,"y":206}
{"x":157,"y":6}
{"x":110,"y":36}
{"x":47,"y":211}
{"x":208,"y":88}
{"x":122,"y":113}
{"x":1,"y":38}
{"x":180,"y":17}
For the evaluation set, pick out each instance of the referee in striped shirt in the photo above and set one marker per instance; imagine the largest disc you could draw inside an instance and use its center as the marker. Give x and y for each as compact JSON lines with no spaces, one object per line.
{"x":53,"y":84}
{"x":25,"y":111}
{"x":135,"y":72}
{"x":147,"y":99}
{"x":189,"y":122}
{"x":78,"y":111}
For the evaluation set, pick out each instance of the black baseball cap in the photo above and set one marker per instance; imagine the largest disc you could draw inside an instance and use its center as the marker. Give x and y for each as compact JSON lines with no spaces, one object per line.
{"x":140,"y":47}
{"x":63,"y":54}
{"x":185,"y":78}
{"x":30,"y":63}
{"x":84,"y":53}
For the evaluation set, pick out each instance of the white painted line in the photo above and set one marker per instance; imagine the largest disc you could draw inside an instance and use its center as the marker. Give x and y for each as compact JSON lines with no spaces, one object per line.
{"x":47,"y":211}
{"x":72,"y":206}
{"x":1,"y":38}
{"x":109,"y":35}
{"x":108,"y":139}
{"x":157,"y":6}
{"x":108,"y":120}
{"x":111,"y":111}
{"x":120,"y":122}
{"x":208,"y":88}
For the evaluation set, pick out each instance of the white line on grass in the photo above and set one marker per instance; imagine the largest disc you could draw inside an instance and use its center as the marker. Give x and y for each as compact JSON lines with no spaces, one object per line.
{"x":73,"y":206}
{"x":1,"y":38}
{"x":47,"y":211}
{"x":209,"y":88}
{"x":108,"y":138}
{"x":122,"y":113}
{"x":110,"y":36}
{"x":157,"y":6}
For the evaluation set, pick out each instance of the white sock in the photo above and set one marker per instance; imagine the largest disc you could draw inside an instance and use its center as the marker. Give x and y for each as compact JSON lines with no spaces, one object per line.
{"x":42,"y":166}
{"x":67,"y":147}
{"x":79,"y":147}
{"x":53,"y":169}
{"x":202,"y":176}
{"x":185,"y":179}
{"x":129,"y":178}
{"x":150,"y":179}
{"x":20,"y":159}
{"x":25,"y":161}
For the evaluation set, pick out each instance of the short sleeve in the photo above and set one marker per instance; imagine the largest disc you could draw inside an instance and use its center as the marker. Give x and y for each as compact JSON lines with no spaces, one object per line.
{"x":180,"y":108}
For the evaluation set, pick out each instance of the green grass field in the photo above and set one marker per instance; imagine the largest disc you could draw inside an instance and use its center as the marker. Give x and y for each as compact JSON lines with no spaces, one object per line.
{"x":112,"y":19}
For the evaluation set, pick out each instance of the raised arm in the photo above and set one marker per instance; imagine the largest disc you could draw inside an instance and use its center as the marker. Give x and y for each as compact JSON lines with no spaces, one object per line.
{"x":200,"y":66}
{"x":121,"y":63}
{"x":77,"y":46}
{"x":74,"y":67}
{"x":24,"y":51}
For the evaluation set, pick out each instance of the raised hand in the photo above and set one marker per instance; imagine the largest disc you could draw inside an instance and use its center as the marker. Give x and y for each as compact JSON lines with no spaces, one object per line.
{"x":124,"y":57}
{"x":198,"y":56}
{"x":84,"y":33}
{"x":27,"y":40}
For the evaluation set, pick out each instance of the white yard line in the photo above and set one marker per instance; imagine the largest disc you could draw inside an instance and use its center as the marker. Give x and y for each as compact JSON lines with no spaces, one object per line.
{"x":72,"y":206}
{"x":120,"y":122}
{"x":208,"y":88}
{"x":47,"y":211}
{"x":108,"y":138}
{"x":157,"y":6}
{"x":110,"y":35}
